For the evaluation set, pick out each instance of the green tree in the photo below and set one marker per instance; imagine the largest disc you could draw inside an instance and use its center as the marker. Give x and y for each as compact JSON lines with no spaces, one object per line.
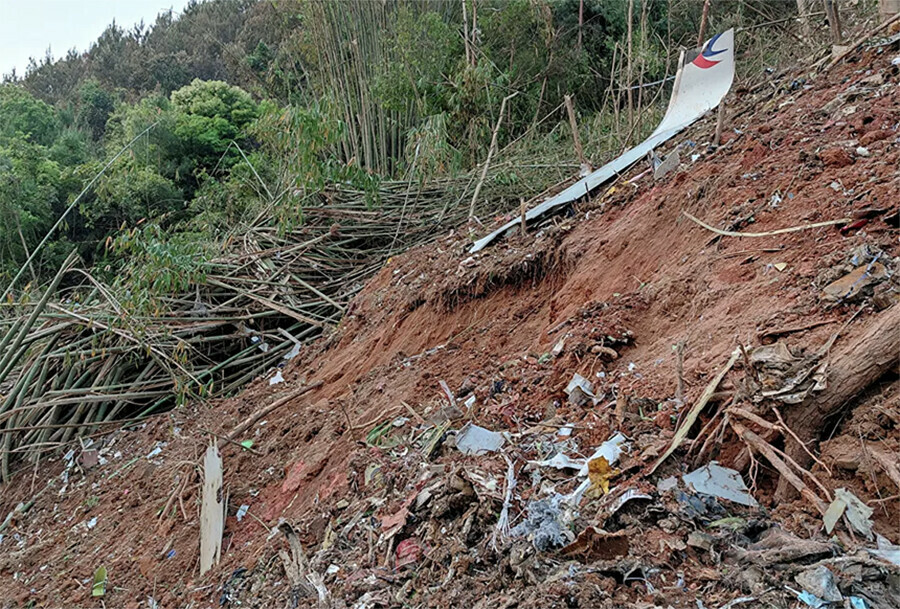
{"x":209,"y":115}
{"x":95,"y":104}
{"x":22,"y":114}
{"x":29,"y":196}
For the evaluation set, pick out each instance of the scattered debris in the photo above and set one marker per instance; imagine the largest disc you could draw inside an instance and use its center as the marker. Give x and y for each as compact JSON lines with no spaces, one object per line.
{"x":557,"y":349}
{"x":784,"y":377}
{"x":409,"y":552}
{"x":722,"y":482}
{"x":98,"y":587}
{"x":667,"y":484}
{"x":560,"y":461}
{"x":475,"y":440}
{"x":581,"y":391}
{"x":305,"y":582}
{"x":850,"y":285}
{"x":629,"y":495}
{"x":599,"y":473}
{"x":669,"y":164}
{"x":89,"y":458}
{"x":546,"y":524}
{"x":819,"y":581}
{"x":242,"y":511}
{"x":858,"y":513}
{"x":594,"y":544}
{"x":886,"y":550}
{"x":811,"y":600}
{"x":156,"y":450}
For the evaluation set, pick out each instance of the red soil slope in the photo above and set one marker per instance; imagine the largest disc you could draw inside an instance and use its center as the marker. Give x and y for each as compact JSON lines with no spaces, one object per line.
{"x":626,"y":271}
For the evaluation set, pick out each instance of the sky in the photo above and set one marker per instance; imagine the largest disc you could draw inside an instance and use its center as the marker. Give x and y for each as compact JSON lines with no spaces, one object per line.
{"x":29,"y":27}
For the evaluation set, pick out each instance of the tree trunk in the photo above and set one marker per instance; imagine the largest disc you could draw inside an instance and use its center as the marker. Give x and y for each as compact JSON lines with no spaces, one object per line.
{"x":888,"y":8}
{"x":834,"y":20}
{"x":628,"y":72}
{"x":580,"y":21}
{"x":802,"y":12}
{"x":851,"y":370}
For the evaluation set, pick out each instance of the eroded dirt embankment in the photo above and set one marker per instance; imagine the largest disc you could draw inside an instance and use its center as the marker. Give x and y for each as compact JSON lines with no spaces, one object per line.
{"x":605,"y":292}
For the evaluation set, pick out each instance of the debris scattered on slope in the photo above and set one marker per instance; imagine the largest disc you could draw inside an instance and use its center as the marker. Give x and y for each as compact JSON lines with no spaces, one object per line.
{"x":847,"y":504}
{"x":370,"y":499}
{"x":475,"y":440}
{"x":721,"y":482}
{"x":581,"y":391}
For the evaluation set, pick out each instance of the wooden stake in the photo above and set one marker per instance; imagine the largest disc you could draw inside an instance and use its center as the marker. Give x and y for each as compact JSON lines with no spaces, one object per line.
{"x":522,"y":215}
{"x":701,"y":38}
{"x":834,"y":20}
{"x":720,"y":120}
{"x":570,"y":108}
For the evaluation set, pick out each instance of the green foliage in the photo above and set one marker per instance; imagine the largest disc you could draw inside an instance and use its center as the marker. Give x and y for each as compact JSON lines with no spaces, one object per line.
{"x":95,"y":104}
{"x":29,"y":194}
{"x":299,"y":144}
{"x":425,"y":48}
{"x":209,"y":116}
{"x":154,"y":262}
{"x":261,"y":57}
{"x":131,"y":193}
{"x":216,"y":100}
{"x":70,"y":148}
{"x":429,"y":150}
{"x":23,"y":115}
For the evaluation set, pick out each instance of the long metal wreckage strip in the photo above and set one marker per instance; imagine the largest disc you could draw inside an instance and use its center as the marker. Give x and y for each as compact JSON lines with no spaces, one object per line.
{"x":700,"y":85}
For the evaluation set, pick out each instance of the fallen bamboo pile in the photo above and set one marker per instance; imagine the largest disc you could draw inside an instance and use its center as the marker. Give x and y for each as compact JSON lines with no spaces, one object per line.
{"x":75,"y":360}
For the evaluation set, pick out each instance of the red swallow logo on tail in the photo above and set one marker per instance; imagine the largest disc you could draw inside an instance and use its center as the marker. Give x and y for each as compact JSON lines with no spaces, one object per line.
{"x":704,"y":59}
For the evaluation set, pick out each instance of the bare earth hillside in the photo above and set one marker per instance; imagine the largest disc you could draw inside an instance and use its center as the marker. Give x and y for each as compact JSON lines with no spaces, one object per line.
{"x":364,"y":470}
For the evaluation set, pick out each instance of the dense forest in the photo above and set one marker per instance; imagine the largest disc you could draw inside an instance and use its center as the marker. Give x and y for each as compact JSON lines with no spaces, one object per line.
{"x":336,"y":91}
{"x":168,"y":156}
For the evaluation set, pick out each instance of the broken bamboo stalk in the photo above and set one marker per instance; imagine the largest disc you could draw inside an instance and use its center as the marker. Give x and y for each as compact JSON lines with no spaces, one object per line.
{"x":704,"y":18}
{"x":249,"y":421}
{"x":491,"y":149}
{"x":780,"y":231}
{"x":573,"y":123}
{"x":851,"y":48}
{"x":763,"y":447}
{"x":720,"y":123}
{"x":682,"y":432}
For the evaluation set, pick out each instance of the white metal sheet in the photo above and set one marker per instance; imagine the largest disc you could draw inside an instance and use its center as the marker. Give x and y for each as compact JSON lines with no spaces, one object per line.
{"x":699,"y":87}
